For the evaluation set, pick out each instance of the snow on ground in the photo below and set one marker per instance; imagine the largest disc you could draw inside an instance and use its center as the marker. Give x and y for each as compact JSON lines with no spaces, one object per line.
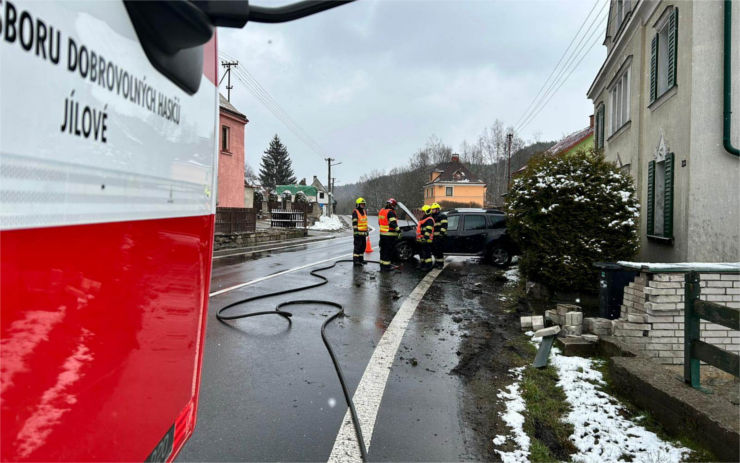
{"x":512,"y":274}
{"x":330,"y":223}
{"x":515,"y":420}
{"x":601,"y":433}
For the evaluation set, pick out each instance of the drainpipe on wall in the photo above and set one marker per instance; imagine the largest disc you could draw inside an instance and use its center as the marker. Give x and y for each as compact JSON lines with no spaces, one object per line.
{"x":727,"y":111}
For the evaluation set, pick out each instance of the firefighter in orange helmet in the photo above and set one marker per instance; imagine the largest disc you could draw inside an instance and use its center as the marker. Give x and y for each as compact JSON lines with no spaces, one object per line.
{"x":424,"y":238}
{"x":360,"y":231}
{"x":388,"y":223}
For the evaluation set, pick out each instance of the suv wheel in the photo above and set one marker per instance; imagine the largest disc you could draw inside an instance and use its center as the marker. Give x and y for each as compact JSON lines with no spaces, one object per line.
{"x":499,"y":256}
{"x":404,"y":251}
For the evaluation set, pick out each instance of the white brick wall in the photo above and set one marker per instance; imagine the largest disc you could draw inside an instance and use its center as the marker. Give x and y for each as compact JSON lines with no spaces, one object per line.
{"x":654,"y":305}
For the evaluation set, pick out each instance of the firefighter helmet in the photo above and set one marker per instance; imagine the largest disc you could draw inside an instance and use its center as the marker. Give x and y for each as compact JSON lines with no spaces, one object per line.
{"x":435,"y":206}
{"x":392,"y":202}
{"x":425,"y":208}
{"x":360,"y":201}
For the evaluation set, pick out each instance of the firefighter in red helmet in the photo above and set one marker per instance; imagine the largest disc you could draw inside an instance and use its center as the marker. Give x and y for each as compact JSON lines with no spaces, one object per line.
{"x":388,"y":233}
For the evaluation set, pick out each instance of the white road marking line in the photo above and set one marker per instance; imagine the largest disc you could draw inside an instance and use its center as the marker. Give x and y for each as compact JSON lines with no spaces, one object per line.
{"x":370,"y":391}
{"x":305,"y":243}
{"x":241,"y":285}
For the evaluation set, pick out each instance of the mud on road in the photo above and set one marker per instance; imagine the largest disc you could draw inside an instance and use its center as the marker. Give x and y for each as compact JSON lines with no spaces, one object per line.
{"x":484,"y":305}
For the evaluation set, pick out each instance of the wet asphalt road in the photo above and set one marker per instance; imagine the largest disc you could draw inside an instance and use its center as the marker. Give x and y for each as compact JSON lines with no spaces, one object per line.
{"x":269,"y":391}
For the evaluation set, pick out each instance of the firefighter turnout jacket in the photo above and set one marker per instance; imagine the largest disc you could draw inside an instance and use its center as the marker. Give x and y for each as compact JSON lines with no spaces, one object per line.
{"x":440,"y":224}
{"x":359,"y":222}
{"x":425,"y":229}
{"x":388,"y":223}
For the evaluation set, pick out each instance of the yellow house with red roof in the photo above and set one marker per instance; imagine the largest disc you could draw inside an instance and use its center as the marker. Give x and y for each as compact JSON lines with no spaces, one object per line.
{"x":452,"y":182}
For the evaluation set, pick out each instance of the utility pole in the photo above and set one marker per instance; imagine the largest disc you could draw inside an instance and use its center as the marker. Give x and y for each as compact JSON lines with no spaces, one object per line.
{"x":509,"y":136}
{"x":227,"y":65}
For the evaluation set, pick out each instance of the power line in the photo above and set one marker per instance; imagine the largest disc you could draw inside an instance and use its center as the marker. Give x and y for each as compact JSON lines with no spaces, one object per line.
{"x":269,"y":102}
{"x":569,"y":58}
{"x":560,"y":79}
{"x":561,"y":83}
{"x":544,"y":84}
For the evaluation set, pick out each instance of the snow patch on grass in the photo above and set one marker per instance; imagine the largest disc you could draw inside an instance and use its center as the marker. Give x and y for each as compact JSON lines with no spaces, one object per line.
{"x":514,"y":418}
{"x":601,"y":433}
{"x":330,"y":223}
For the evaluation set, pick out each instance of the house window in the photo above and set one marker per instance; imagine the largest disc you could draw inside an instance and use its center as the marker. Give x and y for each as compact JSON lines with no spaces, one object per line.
{"x":448,"y":191}
{"x":321,"y":195}
{"x":599,"y":126}
{"x":660,"y":197}
{"x":663,"y":55}
{"x":620,"y":101}
{"x":225,"y":138}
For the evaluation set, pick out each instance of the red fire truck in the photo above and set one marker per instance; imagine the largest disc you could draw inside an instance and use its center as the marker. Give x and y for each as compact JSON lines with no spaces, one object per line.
{"x":108,"y":122}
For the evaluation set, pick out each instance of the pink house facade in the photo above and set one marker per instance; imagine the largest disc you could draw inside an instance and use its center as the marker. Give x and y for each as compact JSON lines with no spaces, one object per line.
{"x":231,"y":155}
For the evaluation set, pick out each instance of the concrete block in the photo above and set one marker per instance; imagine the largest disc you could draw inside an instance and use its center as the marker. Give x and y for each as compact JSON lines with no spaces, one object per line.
{"x":732,"y":291}
{"x":590,"y":337}
{"x":711,"y":290}
{"x":526,"y":323}
{"x":731,"y":277}
{"x":665,"y":326}
{"x":661,"y":291}
{"x":716,"y":297}
{"x":670,"y":277}
{"x":538,"y":322}
{"x":710,"y":276}
{"x":574,"y":318}
{"x":636,"y":318}
{"x":553,"y":316}
{"x":576,"y":346}
{"x":655,"y":307}
{"x":666,"y":285}
{"x":663,"y":299}
{"x":659,"y":319}
{"x":636,"y":326}
{"x":734,"y":305}
{"x":565,"y":308}
{"x":572,"y":330}
{"x":719,"y":284}
{"x":662,"y":333}
{"x":549,"y":331}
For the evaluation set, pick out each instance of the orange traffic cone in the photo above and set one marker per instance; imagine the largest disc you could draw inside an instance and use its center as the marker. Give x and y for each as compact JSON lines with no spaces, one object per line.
{"x":368,"y":247}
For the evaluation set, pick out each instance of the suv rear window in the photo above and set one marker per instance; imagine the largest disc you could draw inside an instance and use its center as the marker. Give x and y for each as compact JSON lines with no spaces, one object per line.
{"x":496,"y":221}
{"x":475,"y":222}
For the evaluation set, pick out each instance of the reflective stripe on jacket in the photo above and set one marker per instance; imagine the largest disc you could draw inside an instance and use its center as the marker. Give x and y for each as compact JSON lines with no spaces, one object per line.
{"x":425,"y":229}
{"x":388,"y":223}
{"x":359,"y":222}
{"x":440,"y":224}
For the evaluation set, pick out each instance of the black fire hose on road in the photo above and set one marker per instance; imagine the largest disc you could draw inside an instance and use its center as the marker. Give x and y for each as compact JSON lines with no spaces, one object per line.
{"x":222,"y":318}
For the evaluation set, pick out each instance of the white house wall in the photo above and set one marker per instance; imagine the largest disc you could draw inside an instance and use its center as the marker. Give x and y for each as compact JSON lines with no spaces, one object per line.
{"x":714,"y":204}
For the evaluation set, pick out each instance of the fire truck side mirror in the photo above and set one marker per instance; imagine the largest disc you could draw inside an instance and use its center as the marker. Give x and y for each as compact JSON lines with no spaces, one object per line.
{"x":172,"y":32}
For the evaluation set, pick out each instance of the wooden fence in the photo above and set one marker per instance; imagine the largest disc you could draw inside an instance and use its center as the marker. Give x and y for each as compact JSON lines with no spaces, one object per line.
{"x":696,"y":350}
{"x":235,"y":219}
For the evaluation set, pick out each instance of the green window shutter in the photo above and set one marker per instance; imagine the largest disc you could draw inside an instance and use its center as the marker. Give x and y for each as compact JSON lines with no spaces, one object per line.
{"x":651,"y":199}
{"x":654,"y":68}
{"x":672,"y":47}
{"x":668,"y":206}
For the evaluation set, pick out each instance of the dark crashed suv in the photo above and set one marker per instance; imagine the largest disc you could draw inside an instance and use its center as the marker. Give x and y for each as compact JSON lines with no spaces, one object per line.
{"x":470,"y":232}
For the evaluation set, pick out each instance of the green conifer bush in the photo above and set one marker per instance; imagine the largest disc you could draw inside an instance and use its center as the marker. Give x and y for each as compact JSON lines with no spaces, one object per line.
{"x":567,"y":212}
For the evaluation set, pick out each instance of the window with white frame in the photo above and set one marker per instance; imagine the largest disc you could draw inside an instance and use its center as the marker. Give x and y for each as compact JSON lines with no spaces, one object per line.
{"x":448,"y":191}
{"x":619,"y":96}
{"x":622,"y":8}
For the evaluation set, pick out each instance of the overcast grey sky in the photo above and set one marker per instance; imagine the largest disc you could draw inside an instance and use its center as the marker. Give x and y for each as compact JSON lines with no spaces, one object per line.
{"x":371,"y":81}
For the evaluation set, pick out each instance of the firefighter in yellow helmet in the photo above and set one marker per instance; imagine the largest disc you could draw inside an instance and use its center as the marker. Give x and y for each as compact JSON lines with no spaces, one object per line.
{"x":424,"y":238}
{"x":360,"y":231}
{"x":440,"y":235}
